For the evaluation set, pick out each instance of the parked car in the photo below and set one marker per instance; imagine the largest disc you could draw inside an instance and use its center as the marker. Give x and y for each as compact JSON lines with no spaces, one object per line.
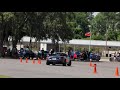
{"x":27,"y":54}
{"x":58,"y":58}
{"x":95,"y":57}
{"x":21,"y":53}
{"x":92,"y":56}
{"x":45,"y":54}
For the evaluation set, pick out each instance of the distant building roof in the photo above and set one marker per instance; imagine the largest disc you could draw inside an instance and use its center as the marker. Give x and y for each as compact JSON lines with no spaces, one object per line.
{"x":79,"y":42}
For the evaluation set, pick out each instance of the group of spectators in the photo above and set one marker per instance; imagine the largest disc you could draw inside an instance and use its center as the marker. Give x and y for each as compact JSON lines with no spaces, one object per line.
{"x":83,"y":55}
{"x":116,"y":54}
{"x":43,"y":54}
{"x":26,"y":52}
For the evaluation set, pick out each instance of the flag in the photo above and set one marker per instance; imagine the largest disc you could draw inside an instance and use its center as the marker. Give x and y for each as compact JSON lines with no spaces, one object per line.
{"x":87,"y":34}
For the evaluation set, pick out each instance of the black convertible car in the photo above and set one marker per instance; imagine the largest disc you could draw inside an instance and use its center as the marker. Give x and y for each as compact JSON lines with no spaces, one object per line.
{"x":58,"y":58}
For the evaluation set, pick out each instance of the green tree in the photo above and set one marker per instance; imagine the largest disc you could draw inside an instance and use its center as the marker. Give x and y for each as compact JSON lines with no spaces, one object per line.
{"x":18,"y":22}
{"x":57,"y":27}
{"x":4,"y":29}
{"x":105,"y":24}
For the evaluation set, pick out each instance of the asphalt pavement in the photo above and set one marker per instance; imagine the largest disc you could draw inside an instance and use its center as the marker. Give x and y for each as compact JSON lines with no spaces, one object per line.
{"x":15,"y":69}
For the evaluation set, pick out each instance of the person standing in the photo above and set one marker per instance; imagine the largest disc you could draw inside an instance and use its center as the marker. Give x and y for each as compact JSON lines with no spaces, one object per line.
{"x":52,"y":51}
{"x":39,"y":54}
{"x":42,"y":51}
{"x":69,"y":53}
{"x":27,"y":55}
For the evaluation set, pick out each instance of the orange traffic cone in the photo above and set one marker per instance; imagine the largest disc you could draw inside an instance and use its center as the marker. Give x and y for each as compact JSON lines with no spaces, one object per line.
{"x":33,"y":61}
{"x":90,"y":64}
{"x":95,"y":70}
{"x":26,"y":60}
{"x":20,"y":59}
{"x":116,"y":72}
{"x":39,"y":61}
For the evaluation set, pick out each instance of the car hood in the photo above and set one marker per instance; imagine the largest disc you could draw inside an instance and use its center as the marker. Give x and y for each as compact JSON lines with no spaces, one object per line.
{"x":55,"y":56}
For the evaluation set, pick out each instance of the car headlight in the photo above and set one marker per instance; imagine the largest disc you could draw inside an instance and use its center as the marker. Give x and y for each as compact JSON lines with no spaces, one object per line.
{"x":58,"y":58}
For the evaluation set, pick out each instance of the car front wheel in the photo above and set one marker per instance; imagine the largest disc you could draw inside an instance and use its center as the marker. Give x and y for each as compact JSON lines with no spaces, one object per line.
{"x":64,"y":64}
{"x":69,"y":64}
{"x":47,"y":63}
{"x":53,"y":64}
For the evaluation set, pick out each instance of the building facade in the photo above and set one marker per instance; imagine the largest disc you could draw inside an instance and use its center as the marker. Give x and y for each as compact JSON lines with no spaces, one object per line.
{"x":105,"y":47}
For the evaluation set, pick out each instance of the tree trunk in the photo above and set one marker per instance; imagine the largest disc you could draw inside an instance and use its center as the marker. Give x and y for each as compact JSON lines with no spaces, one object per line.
{"x":65,"y":47}
{"x":1,"y":36}
{"x":57,"y":47}
{"x":1,"y":48}
{"x":14,"y":48}
{"x":30,"y":44}
{"x":53,"y":41}
{"x":14,"y":42}
{"x":7,"y":43}
{"x":38,"y":45}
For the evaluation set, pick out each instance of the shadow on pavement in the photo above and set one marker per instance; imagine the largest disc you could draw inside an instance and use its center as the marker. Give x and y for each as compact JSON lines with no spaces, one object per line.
{"x":61,"y":65}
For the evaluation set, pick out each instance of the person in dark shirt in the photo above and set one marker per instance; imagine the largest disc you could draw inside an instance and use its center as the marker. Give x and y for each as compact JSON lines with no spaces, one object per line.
{"x":27,"y":50}
{"x":52,"y":51}
{"x":69,"y":53}
{"x":42,"y":51}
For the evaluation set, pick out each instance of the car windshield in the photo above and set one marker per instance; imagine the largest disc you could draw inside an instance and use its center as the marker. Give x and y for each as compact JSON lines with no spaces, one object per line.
{"x":58,"y":54}
{"x":61,"y":54}
{"x":52,"y":54}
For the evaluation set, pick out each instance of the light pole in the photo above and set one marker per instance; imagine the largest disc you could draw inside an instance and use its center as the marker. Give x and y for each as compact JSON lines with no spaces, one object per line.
{"x":90,"y":27}
{"x":106,"y":49}
{"x":90,"y":37}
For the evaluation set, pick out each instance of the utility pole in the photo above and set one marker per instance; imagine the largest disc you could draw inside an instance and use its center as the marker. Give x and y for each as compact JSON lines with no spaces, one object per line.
{"x":106,"y":38}
{"x":90,"y":27}
{"x":90,"y":39}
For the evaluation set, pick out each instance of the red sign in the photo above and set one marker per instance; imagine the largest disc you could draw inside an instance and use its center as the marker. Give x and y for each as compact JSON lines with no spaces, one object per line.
{"x":87,"y":34}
